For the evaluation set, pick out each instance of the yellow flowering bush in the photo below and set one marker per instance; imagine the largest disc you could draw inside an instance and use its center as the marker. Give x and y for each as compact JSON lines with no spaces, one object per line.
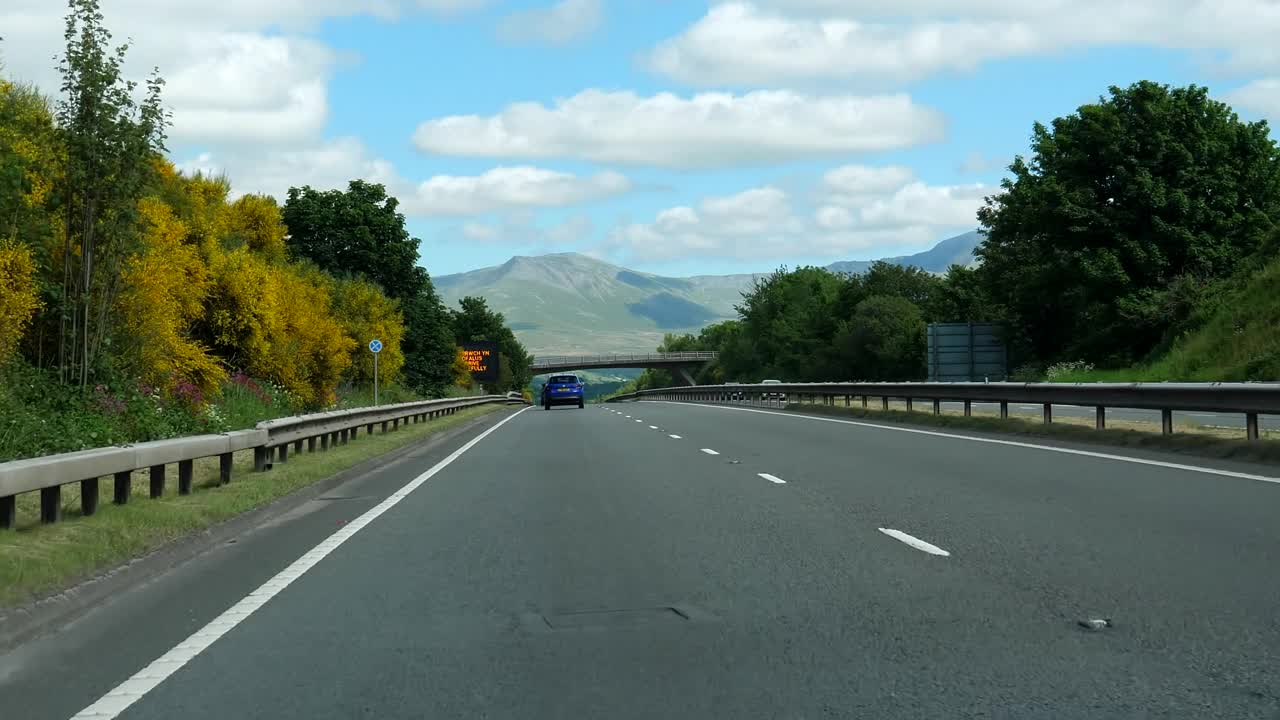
{"x":164,"y":289}
{"x":18,"y":294}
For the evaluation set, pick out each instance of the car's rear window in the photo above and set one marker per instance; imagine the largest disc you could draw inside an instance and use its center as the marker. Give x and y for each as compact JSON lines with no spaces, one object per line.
{"x":563,"y":379}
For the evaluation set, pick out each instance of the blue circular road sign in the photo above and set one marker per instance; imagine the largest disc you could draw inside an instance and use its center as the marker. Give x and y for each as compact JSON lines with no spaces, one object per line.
{"x":375,"y":346}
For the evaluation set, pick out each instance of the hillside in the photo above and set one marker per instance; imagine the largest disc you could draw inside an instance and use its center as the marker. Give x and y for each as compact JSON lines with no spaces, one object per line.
{"x":1237,"y":342}
{"x":567,"y":303}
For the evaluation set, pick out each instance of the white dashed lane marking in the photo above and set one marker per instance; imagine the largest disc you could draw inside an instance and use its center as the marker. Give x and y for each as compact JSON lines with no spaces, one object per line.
{"x":915,"y":542}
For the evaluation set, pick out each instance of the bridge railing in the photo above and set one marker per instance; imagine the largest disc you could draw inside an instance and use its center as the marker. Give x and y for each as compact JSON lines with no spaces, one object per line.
{"x":1248,"y":399}
{"x":269,"y":440}
{"x":572,"y":360}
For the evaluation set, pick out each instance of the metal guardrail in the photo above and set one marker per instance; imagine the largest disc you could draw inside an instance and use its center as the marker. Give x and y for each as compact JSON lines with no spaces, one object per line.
{"x":268,"y":440}
{"x":585,"y":360}
{"x":1249,"y":399}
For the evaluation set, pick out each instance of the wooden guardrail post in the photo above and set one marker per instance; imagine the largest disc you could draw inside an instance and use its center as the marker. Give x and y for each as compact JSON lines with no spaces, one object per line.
{"x":225,"y":461}
{"x":123,"y":488}
{"x":282,"y":453}
{"x":89,"y":496}
{"x":186,"y":473}
{"x":157,"y":481}
{"x":51,"y":504}
{"x":1166,"y":422}
{"x":8,"y":512}
{"x":968,"y":408}
{"x":1100,"y":418}
{"x":261,"y":458}
{"x":1004,"y":410}
{"x":1251,"y":426}
{"x":937,"y":406}
{"x":1048,"y":413}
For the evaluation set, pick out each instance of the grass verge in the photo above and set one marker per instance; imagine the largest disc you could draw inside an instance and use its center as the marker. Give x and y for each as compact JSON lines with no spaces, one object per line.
{"x":1119,"y":433}
{"x":36,"y":559}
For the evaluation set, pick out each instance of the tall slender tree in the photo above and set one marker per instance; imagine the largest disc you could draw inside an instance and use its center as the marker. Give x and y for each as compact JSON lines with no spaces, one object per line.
{"x":111,"y":141}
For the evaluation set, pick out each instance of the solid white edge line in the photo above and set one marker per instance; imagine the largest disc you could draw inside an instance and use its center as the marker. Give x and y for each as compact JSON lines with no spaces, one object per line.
{"x":145,"y":680}
{"x":915,"y":542}
{"x":653,"y":427}
{"x":709,"y":451}
{"x":772,"y":478}
{"x":994,"y":441}
{"x":674,"y":437}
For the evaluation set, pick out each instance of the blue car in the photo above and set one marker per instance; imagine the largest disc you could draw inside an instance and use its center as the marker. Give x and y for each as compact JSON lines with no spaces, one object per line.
{"x":562,"y":390}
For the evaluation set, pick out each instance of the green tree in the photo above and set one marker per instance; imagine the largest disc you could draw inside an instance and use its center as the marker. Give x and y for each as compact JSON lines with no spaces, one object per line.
{"x":961,"y":297}
{"x":31,"y":166}
{"x":789,"y":319}
{"x":111,"y":141}
{"x":1118,"y":206}
{"x":429,"y":350}
{"x":883,"y":278}
{"x":359,"y":231}
{"x":883,"y":341}
{"x":475,"y":322}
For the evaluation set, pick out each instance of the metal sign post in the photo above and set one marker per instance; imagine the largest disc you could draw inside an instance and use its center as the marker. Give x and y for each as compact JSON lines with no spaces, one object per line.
{"x":375,"y":347}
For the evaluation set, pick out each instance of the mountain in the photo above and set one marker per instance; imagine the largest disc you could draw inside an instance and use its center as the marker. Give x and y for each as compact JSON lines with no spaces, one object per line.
{"x":570,"y":304}
{"x":566,"y":303}
{"x":952,"y":251}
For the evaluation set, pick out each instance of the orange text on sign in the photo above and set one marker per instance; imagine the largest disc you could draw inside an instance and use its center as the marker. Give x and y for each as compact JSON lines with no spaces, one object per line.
{"x":477,"y":360}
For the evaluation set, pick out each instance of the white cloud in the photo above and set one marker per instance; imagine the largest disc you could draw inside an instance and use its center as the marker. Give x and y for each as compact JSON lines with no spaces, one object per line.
{"x":773,"y":41}
{"x":854,"y":181}
{"x":762,"y":223}
{"x":332,"y":164}
{"x":832,"y":217}
{"x":976,"y":163}
{"x":325,"y":165}
{"x":521,"y":229}
{"x":557,"y":24}
{"x":703,"y":131}
{"x":480,"y":231}
{"x":946,"y":206}
{"x":509,"y":187}
{"x":244,"y":87}
{"x":236,"y":71}
{"x":1261,"y":96}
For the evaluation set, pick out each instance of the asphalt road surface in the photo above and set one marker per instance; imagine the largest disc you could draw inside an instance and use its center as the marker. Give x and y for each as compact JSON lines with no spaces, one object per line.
{"x":653,"y":560}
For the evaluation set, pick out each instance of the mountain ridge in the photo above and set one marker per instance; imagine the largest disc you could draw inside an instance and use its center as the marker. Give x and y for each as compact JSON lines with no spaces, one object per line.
{"x":570,"y":303}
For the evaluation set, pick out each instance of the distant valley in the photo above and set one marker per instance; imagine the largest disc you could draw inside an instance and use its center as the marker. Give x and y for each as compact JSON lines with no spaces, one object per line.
{"x":567,"y":303}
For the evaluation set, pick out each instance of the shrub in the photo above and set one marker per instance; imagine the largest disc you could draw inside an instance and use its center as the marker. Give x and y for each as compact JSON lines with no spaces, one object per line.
{"x":18,"y":295}
{"x":1058,"y":372}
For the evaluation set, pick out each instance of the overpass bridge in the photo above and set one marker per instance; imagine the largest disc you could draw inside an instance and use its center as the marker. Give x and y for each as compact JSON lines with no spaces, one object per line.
{"x":678,"y":363}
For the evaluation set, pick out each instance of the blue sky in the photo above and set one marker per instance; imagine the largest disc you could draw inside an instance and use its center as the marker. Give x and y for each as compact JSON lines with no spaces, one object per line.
{"x":674,"y":136}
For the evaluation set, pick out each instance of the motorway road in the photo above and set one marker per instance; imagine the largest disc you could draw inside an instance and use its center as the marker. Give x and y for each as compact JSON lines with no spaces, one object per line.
{"x":706,"y":562}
